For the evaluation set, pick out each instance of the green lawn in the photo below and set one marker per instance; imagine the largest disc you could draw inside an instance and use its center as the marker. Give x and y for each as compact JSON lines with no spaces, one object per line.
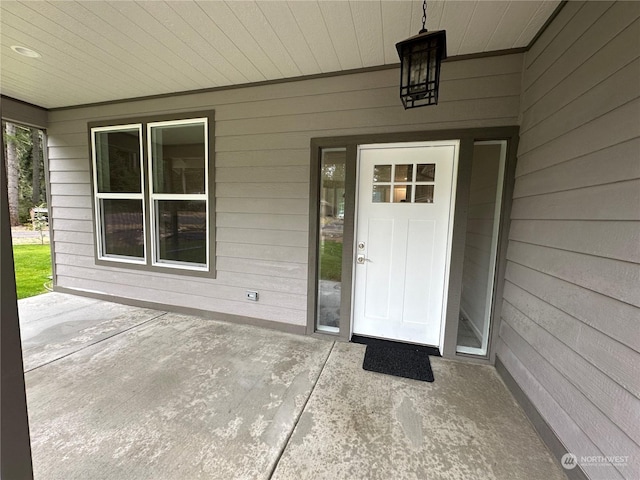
{"x":33,"y":267}
{"x":331,"y":260}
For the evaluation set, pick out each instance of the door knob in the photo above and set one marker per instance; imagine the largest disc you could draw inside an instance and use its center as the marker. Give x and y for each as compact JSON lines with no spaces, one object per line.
{"x":360,"y":259}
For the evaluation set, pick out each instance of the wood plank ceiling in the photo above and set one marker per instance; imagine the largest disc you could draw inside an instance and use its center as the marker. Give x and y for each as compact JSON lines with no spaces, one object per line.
{"x":95,"y":51}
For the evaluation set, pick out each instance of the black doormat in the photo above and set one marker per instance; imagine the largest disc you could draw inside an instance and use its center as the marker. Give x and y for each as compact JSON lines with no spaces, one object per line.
{"x":398,"y":361}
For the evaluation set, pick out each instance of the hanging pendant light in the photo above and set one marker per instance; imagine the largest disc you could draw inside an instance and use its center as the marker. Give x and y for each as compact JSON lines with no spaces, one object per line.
{"x":420,"y":60}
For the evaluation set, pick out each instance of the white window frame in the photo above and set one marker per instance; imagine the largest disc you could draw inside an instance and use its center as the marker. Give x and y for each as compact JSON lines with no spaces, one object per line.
{"x":98,"y":196}
{"x":155,"y":261}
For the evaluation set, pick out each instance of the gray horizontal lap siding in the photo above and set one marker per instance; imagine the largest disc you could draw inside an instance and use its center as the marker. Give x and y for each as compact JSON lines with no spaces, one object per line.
{"x":570,"y":330}
{"x":262,"y":177}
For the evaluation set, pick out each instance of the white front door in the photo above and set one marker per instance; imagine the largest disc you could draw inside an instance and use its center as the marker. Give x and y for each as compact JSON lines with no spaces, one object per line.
{"x":403,"y":240}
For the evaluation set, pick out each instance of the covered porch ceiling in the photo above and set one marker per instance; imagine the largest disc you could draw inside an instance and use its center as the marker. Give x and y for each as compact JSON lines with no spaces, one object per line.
{"x":98,"y":51}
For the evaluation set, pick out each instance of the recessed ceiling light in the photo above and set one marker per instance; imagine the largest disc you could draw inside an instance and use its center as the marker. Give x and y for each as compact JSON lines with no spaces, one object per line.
{"x":27,"y":52}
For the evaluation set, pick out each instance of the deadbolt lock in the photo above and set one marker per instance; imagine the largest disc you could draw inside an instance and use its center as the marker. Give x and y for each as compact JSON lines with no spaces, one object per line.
{"x":360,"y":245}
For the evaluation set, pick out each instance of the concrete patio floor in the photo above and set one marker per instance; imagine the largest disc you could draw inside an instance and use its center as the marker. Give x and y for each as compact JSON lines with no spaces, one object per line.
{"x":119,"y":392}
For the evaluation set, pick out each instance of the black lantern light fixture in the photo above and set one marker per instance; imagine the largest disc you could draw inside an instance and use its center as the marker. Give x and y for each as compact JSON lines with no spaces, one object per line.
{"x":420,"y":60}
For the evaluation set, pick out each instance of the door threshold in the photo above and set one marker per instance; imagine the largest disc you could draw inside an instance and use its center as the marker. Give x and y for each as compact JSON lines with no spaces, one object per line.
{"x":429,"y":350}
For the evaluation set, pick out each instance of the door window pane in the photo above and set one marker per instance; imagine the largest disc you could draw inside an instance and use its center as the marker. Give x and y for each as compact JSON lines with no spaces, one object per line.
{"x":404,"y":173}
{"x":402,"y":194}
{"x":382,"y":173}
{"x":122,"y":227}
{"x":182,"y":231}
{"x":178,"y":157}
{"x":381,"y":194}
{"x":424,"y":193}
{"x":426,"y":172}
{"x":332,"y":188}
{"x":118,"y":161}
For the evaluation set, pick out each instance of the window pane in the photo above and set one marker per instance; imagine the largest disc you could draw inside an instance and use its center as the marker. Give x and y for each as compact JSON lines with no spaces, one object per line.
{"x":381,"y":194}
{"x":118,"y":161}
{"x":178,"y":157}
{"x":402,"y":194}
{"x":404,"y":173}
{"x":182,"y":231}
{"x":478,"y":270}
{"x":332,"y":187}
{"x":426,"y":172}
{"x":122,"y":228}
{"x":424,"y":193}
{"x":382,"y":173}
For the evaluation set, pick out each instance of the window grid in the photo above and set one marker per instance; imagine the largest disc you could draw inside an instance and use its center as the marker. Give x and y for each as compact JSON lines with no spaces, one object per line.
{"x":393,"y":182}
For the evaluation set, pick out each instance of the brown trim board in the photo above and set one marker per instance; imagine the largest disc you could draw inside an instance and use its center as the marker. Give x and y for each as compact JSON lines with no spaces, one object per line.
{"x":508,"y":185}
{"x":15,"y":447}
{"x":544,"y":430}
{"x":24,"y":113}
{"x":47,"y":175}
{"x":546,"y":24}
{"x":457,"y":242}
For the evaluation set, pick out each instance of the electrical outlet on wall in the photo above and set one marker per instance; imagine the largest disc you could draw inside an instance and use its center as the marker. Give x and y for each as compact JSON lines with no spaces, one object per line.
{"x":251,"y":295}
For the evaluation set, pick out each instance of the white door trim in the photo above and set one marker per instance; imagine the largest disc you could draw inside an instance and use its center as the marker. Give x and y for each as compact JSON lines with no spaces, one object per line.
{"x":456,"y":144}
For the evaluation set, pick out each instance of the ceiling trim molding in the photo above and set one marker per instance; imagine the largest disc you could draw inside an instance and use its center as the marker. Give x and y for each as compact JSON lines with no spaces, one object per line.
{"x":23,"y":113}
{"x":546,"y":24}
{"x":4,"y":97}
{"x":233,"y":87}
{"x":494,"y":53}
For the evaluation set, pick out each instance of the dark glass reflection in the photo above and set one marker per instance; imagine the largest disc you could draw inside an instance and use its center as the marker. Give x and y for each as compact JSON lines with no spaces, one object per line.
{"x":118,"y":161}
{"x":122,"y":228}
{"x":426,"y":172}
{"x":424,"y":193}
{"x":178,"y":155}
{"x":182,"y":231}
